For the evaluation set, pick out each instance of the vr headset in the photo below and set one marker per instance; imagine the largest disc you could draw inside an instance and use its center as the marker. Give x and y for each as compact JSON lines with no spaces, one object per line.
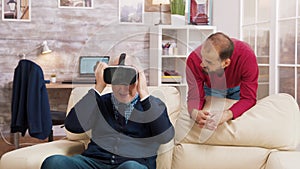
{"x":121,"y":74}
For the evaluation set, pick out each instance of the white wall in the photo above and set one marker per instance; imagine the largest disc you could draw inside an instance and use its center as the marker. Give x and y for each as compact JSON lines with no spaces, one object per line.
{"x":226,"y":17}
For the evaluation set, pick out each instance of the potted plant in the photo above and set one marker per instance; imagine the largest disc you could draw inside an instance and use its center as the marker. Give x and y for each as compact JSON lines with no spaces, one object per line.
{"x":177,"y":12}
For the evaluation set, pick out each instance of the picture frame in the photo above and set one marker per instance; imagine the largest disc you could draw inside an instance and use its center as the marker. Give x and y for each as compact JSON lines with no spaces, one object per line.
{"x":131,"y":11}
{"x":16,"y":10}
{"x":200,"y":12}
{"x":85,"y":4}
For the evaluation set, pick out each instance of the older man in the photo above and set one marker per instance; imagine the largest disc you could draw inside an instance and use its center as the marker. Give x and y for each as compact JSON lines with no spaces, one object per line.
{"x":127,"y":125}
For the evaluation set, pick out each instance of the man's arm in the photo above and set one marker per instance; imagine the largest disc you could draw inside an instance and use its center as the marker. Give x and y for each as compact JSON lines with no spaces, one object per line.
{"x":194,"y":78}
{"x":99,"y":71}
{"x":161,"y":127}
{"x":78,"y":119}
{"x":248,"y":87}
{"x":81,"y":116}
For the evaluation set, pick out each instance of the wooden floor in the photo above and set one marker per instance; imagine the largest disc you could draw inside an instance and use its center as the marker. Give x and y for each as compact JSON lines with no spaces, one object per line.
{"x":24,"y":141}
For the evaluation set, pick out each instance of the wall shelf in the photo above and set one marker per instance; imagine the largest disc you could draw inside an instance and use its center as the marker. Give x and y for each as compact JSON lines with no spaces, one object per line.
{"x":183,"y":39}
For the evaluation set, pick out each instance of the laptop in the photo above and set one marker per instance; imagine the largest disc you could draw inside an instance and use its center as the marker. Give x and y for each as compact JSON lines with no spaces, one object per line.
{"x":86,"y":69}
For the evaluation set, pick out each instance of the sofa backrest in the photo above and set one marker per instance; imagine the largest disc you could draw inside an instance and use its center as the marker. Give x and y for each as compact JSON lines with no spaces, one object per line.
{"x":169,"y":95}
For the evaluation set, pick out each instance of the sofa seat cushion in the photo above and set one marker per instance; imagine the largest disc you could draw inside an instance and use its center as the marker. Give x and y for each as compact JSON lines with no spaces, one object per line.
{"x":165,"y":155}
{"x":283,"y":159}
{"x":272,"y":123}
{"x":196,"y":156}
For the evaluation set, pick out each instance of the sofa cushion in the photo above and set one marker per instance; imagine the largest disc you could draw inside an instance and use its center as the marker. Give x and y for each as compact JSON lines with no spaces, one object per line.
{"x":272,"y":123}
{"x":165,"y":155}
{"x":196,"y":156}
{"x":283,"y":159}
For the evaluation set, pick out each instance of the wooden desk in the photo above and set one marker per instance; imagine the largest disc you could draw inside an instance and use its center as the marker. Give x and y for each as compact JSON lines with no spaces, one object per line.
{"x":59,"y":94}
{"x":59,"y":85}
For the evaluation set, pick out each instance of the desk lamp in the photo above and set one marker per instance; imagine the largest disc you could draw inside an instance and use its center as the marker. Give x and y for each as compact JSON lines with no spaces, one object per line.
{"x":160,"y":3}
{"x":44,"y":50}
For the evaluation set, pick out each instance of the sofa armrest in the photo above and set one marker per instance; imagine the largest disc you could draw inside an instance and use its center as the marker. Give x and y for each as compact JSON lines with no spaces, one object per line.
{"x":33,"y":156}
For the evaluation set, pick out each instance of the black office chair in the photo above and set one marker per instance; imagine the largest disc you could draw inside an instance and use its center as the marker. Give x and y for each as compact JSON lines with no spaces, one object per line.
{"x":58,"y":118}
{"x":30,"y":104}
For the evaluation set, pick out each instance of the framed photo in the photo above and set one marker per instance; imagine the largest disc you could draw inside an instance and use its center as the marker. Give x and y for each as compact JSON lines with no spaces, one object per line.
{"x":16,"y":10}
{"x":75,"y":4}
{"x":200,"y":12}
{"x":131,"y":11}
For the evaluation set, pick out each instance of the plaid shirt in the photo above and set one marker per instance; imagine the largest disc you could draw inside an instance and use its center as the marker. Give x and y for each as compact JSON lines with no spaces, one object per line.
{"x":122,"y":108}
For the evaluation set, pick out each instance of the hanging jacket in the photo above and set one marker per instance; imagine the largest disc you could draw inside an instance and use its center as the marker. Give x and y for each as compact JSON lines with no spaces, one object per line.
{"x":30,"y":105}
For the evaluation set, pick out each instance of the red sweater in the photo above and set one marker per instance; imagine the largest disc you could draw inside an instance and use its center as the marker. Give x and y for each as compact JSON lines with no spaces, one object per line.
{"x":242,"y":71}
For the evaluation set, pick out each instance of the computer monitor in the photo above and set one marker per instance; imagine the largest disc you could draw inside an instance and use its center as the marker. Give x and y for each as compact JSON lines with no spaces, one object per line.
{"x":87,"y":64}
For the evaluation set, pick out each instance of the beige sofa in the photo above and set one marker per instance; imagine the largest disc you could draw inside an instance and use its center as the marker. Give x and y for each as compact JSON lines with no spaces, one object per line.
{"x":265,"y":137}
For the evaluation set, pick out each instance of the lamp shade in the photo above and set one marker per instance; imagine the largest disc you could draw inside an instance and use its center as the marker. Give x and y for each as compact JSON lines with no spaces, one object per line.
{"x":158,"y":2}
{"x":42,"y":47}
{"x":12,"y":5}
{"x":45,"y":48}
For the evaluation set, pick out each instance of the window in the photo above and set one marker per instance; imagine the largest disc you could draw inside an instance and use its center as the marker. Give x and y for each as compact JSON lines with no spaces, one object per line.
{"x":255,"y":30}
{"x":272,"y":28}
